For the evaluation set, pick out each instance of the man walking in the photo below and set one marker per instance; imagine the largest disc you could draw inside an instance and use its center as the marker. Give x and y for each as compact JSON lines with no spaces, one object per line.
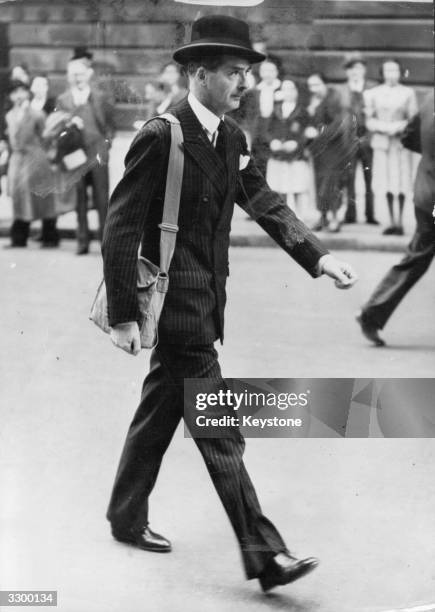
{"x":352,"y":99}
{"x":93,"y":114}
{"x":419,"y":137}
{"x":218,"y":171}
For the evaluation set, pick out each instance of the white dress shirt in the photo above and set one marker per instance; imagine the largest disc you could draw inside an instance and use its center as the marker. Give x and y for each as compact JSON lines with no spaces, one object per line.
{"x":209,"y":121}
{"x":80,"y":96}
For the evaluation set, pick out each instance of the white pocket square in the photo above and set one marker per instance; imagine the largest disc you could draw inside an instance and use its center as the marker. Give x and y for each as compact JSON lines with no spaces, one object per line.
{"x":244,"y":161}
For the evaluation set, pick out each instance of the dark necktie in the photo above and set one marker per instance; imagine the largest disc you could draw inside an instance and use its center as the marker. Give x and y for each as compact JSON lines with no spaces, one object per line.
{"x":220,"y":141}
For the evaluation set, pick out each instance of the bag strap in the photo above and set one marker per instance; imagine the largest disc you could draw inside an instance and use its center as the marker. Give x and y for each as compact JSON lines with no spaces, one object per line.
{"x":174,"y":178}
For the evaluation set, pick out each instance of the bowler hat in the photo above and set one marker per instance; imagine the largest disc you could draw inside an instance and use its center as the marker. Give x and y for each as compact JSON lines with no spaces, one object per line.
{"x":353,"y":58}
{"x":218,"y":35}
{"x":82,"y":53}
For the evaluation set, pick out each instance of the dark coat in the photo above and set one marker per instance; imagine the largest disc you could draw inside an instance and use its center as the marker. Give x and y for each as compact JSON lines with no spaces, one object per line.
{"x":353,"y":103}
{"x":101,"y":106}
{"x":337,"y":136}
{"x":194,"y":307}
{"x":289,"y":128}
{"x":420,"y":137}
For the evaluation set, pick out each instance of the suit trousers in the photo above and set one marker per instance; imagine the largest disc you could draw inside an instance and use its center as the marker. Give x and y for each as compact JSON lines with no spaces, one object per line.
{"x":157,"y":417}
{"x":403,"y":276}
{"x":364,"y":153}
{"x":98,"y":179}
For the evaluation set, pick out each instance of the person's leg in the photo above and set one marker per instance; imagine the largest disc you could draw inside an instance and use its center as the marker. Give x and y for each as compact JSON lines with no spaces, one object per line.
{"x":349,"y":182}
{"x":82,"y":218}
{"x":100,"y":193}
{"x":258,"y":538}
{"x":403,"y":276}
{"x":366,"y":157}
{"x":49,"y":233}
{"x":399,"y":228}
{"x":292,"y":202}
{"x":390,"y":203}
{"x":321,"y":180}
{"x":148,"y":437}
{"x":19,"y":233}
{"x":300,"y":204}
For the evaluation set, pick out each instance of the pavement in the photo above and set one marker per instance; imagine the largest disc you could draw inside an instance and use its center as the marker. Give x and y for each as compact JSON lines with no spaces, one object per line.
{"x":363,"y":506}
{"x":358,"y":236}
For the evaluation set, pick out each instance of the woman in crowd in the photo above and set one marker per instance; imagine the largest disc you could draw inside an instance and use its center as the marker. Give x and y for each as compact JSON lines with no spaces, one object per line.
{"x":19,"y":72}
{"x":265,"y":92}
{"x":40,"y":90}
{"x":30,"y":180}
{"x":42,"y":101}
{"x":287,"y":168}
{"x":388,"y":108}
{"x":333,"y":142}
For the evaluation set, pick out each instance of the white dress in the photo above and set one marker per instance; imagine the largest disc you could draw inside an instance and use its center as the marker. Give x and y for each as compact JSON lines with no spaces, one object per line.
{"x":390,"y":107}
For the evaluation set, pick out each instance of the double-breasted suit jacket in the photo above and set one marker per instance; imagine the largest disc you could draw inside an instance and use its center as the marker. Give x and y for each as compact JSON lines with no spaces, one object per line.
{"x":194,"y":307}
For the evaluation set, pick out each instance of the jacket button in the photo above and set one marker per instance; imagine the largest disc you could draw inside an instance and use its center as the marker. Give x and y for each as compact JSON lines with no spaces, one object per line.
{"x":205,"y":199}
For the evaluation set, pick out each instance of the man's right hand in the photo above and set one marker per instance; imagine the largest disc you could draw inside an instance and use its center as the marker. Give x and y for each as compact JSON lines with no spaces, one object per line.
{"x":126,"y":337}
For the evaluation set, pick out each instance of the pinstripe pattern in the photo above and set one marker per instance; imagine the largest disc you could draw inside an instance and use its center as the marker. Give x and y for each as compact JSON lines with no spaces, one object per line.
{"x":153,"y":426}
{"x":193,"y":314}
{"x":194,"y":306}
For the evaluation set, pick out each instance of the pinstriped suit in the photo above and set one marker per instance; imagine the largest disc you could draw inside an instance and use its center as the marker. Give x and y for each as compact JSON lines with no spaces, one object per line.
{"x":192,"y":318}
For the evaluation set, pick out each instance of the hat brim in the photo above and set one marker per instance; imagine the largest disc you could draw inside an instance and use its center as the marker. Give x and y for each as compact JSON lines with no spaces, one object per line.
{"x":194,"y":50}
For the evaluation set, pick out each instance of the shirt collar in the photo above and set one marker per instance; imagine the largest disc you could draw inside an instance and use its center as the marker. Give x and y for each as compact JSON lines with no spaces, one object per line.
{"x":207,"y":119}
{"x":357,"y":86}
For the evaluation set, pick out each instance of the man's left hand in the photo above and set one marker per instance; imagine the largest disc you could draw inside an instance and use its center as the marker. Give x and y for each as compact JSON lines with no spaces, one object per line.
{"x":342,"y":272}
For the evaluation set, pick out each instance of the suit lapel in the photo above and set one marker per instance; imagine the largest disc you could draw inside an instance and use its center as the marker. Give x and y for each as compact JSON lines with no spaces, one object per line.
{"x":199,"y":148}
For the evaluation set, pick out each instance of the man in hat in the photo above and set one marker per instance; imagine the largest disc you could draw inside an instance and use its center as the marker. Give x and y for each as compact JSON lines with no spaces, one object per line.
{"x":92,"y":112}
{"x":217,"y":172}
{"x":352,"y":98}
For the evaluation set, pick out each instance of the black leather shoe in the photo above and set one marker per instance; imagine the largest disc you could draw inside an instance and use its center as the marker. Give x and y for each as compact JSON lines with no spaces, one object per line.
{"x":145,"y":539}
{"x":369,"y":329}
{"x":285,"y":568}
{"x":372,"y":221}
{"x":82,"y":250}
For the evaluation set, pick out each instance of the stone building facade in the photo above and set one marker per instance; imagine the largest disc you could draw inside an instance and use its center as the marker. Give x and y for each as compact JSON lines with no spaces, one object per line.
{"x":132,"y":39}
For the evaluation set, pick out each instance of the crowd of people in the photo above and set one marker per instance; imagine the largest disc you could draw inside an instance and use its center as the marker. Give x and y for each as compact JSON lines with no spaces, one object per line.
{"x":312,"y":132}
{"x":56,"y":151}
{"x":306,"y":136}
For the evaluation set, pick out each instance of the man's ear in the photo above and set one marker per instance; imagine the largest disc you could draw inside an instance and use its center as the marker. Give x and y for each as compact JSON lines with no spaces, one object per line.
{"x":201,"y":74}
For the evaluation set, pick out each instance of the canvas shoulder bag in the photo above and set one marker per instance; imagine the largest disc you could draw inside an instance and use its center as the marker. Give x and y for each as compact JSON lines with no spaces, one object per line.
{"x":152,"y":280}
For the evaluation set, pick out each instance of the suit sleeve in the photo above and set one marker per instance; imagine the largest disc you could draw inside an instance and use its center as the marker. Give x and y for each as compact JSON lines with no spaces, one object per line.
{"x":267,"y":208}
{"x":126,"y":219}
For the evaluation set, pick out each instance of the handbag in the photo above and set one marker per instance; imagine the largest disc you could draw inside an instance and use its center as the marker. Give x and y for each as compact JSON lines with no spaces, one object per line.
{"x":70,"y":148}
{"x":152,"y":280}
